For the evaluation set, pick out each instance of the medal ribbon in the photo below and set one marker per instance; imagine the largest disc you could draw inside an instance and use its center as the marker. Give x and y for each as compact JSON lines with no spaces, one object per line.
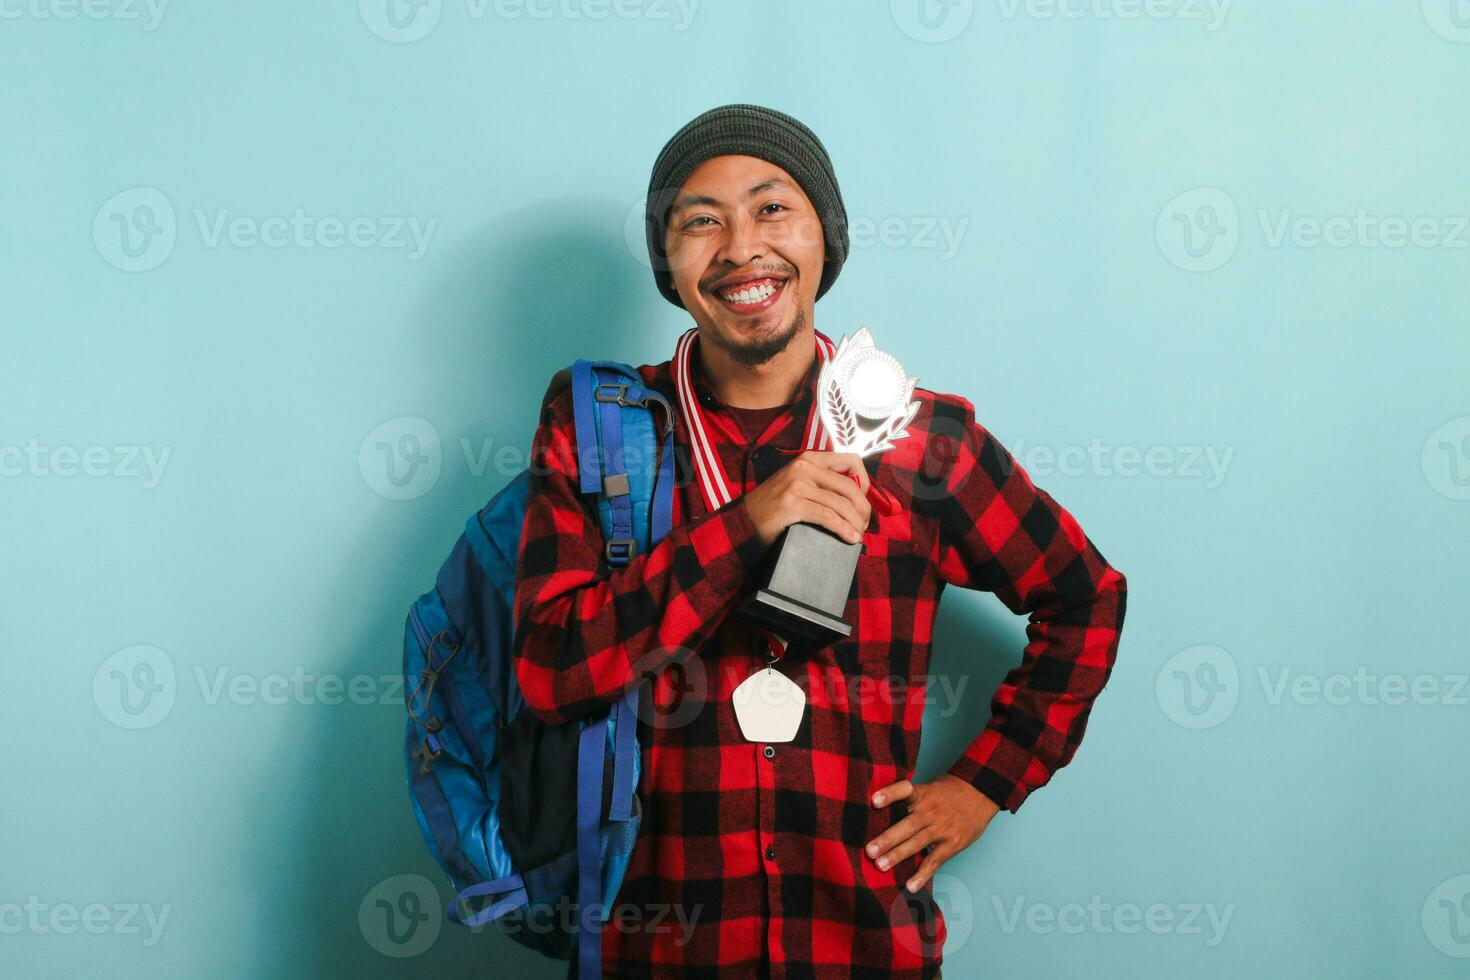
{"x":714,"y":482}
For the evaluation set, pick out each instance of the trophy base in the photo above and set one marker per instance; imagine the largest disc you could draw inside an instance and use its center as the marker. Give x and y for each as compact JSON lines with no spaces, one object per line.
{"x":804,"y":586}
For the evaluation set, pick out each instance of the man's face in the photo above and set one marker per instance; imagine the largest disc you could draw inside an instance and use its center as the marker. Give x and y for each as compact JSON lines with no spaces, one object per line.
{"x":745,"y":251}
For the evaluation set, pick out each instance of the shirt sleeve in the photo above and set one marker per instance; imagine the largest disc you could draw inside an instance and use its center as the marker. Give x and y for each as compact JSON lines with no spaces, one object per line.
{"x":587,"y":632}
{"x":1002,"y":534}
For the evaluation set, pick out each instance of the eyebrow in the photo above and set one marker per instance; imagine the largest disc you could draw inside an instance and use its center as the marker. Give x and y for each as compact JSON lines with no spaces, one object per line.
{"x":690,"y":200}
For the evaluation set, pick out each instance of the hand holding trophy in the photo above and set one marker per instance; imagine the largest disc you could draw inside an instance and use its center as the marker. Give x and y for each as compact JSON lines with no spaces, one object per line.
{"x":864,"y":401}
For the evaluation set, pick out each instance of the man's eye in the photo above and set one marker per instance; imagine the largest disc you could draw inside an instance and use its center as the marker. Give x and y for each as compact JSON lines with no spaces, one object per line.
{"x":773,"y":204}
{"x":692,"y":222}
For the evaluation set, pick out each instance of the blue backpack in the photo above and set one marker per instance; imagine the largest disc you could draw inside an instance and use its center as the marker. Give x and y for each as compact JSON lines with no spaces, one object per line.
{"x":524,"y":816}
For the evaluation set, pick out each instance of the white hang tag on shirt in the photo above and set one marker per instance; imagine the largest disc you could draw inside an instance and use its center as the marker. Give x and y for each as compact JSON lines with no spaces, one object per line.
{"x":769,"y":706}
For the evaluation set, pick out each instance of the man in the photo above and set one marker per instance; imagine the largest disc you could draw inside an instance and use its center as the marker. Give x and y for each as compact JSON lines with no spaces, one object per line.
{"x":812,"y":857}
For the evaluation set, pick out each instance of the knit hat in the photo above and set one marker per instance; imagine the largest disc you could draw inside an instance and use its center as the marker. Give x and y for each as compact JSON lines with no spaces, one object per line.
{"x":747,"y":130}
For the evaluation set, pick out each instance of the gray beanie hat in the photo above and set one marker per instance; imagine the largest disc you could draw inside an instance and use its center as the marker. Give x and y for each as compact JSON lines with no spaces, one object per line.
{"x":747,"y":130}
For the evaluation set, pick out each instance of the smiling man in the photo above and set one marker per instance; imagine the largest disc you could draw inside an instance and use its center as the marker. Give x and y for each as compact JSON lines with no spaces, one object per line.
{"x":813,"y":857}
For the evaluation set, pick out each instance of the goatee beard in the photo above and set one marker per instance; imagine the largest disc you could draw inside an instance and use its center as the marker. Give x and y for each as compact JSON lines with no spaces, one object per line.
{"x":761,"y":351}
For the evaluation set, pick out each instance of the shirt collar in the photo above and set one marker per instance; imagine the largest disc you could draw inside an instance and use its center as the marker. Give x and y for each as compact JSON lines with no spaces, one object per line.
{"x":800,"y":405}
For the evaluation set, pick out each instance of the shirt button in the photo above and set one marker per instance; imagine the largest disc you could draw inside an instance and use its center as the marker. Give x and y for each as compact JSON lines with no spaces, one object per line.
{"x":755,"y":454}
{"x":770,"y":751}
{"x":770,"y":854}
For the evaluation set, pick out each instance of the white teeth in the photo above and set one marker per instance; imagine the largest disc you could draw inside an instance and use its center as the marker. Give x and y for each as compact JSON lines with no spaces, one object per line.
{"x":750,"y":295}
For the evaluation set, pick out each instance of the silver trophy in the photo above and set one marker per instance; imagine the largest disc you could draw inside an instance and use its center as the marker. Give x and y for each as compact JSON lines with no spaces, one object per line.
{"x":864,"y":400}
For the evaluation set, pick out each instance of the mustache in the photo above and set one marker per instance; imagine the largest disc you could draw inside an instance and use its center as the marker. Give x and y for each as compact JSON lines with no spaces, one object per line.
{"x":778,"y":272}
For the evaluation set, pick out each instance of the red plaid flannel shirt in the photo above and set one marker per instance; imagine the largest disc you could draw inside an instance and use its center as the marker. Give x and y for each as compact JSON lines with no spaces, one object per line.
{"x":749,"y":860}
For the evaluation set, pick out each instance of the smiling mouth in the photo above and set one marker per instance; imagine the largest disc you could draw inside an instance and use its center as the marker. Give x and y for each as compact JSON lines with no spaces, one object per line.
{"x":752,"y":296}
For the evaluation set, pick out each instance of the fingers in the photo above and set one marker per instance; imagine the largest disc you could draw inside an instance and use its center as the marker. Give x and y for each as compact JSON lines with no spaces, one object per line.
{"x":930,"y":864}
{"x":900,"y":790}
{"x":840,"y":482}
{"x":815,"y":474}
{"x":850,"y":464}
{"x":905,"y":838}
{"x":825,"y":489}
{"x":809,"y":510}
{"x":837,"y":512}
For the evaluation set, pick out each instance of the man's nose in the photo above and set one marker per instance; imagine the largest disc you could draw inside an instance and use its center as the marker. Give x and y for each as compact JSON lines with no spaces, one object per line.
{"x":744,"y":243}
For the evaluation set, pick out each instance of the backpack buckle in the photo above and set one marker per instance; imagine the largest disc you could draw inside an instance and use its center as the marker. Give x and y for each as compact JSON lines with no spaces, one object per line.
{"x":619,"y":550}
{"x":616,"y":485}
{"x":619,"y":394}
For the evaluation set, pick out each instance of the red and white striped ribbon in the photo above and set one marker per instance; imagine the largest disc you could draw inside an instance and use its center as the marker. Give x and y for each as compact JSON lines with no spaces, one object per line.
{"x":713,"y":481}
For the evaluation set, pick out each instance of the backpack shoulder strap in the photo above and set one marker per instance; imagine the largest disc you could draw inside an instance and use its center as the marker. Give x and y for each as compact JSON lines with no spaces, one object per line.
{"x":600,"y":392}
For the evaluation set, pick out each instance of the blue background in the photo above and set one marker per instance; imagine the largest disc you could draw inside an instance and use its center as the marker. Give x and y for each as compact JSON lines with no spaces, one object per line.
{"x":1117,"y":285}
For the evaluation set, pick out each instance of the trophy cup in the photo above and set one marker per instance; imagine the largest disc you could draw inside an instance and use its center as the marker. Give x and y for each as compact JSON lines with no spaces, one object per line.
{"x":863,"y":398}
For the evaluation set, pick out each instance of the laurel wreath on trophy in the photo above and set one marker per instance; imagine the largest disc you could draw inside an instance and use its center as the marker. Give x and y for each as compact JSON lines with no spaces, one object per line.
{"x":860,"y":382}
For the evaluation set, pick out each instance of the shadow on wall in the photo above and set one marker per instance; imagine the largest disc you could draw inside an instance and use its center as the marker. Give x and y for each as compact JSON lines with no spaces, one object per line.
{"x":527,"y":298}
{"x":976,"y":640}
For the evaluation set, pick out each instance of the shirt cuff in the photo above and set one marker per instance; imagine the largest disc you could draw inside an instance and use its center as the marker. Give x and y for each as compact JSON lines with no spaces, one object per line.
{"x":728,"y":547}
{"x":1000,"y":769}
